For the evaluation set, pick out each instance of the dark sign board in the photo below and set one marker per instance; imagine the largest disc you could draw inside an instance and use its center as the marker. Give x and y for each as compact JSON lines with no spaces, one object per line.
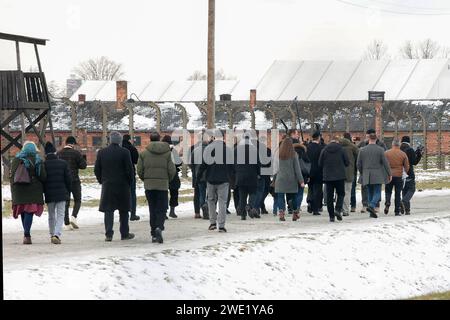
{"x":376,"y":96}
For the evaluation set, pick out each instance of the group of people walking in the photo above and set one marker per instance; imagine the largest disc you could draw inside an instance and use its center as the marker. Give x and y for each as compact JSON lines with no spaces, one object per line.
{"x":220,"y":171}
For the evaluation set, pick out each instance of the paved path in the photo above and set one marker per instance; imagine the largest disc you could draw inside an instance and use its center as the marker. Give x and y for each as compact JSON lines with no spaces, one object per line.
{"x":187,"y":233}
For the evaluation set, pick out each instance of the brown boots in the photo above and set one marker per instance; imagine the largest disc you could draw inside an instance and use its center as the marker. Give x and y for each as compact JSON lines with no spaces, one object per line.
{"x":295,"y":216}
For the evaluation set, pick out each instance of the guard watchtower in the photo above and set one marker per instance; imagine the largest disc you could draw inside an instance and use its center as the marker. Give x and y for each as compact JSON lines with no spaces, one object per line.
{"x":24,"y":94}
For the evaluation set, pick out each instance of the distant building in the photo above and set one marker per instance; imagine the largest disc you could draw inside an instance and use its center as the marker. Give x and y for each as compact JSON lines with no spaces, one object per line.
{"x":72,"y":85}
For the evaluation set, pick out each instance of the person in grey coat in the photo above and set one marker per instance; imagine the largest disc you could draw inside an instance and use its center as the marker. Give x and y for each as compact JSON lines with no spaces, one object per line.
{"x":288,"y":178}
{"x":364,"y":192}
{"x":374,"y":171}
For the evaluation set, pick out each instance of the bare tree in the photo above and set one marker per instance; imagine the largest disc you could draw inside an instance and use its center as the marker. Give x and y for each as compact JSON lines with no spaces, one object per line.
{"x":219,"y":75}
{"x":197,"y":75}
{"x":445,"y":52}
{"x":376,"y":50}
{"x":56,"y":90}
{"x":428,"y":49}
{"x":409,"y":50}
{"x":99,"y":69}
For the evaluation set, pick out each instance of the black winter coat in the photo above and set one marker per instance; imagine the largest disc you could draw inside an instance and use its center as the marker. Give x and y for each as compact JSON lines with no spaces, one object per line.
{"x":220,"y":170}
{"x":333,"y":161}
{"x":413,"y":158}
{"x":59,"y":182}
{"x":113,"y":169}
{"x":74,"y":159}
{"x":195,"y":161}
{"x":133,"y":153}
{"x":313,"y":152}
{"x":247,"y":165}
{"x":302,"y":154}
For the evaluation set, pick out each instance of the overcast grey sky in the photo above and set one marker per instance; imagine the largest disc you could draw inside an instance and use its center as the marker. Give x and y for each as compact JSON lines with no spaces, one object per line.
{"x":166,"y":39}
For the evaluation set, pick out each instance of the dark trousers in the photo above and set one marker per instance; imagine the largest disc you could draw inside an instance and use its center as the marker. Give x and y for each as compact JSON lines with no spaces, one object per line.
{"x":397,"y":183}
{"x":157,"y":203}
{"x":255,"y":197}
{"x":353,"y":195}
{"x":133,"y":197}
{"x":236,"y":199}
{"x":315,"y":194}
{"x":199,"y":196}
{"x":27,"y":221}
{"x":339,"y":187}
{"x":76,"y":192}
{"x":265,"y":192}
{"x":173,"y":198}
{"x":244,"y":194}
{"x":408,"y":191}
{"x":109,"y":223}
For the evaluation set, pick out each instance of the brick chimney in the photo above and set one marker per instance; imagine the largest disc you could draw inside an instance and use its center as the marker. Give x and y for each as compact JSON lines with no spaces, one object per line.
{"x":81,"y":98}
{"x":121,"y":93}
{"x":252,"y":98}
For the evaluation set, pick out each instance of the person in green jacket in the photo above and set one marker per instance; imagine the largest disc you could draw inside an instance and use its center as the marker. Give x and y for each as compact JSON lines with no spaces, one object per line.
{"x":156,"y":168}
{"x":28,"y":198}
{"x":350,"y":171}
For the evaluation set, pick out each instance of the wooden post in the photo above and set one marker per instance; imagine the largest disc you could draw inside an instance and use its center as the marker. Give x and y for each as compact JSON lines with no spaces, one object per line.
{"x":104,"y":125}
{"x":131,"y":120}
{"x":211,"y":115}
{"x":73,"y":118}
{"x":330,"y":125}
{"x":424,"y":131}
{"x":18,"y":56}
{"x":439,"y":123}
{"x":378,"y":119}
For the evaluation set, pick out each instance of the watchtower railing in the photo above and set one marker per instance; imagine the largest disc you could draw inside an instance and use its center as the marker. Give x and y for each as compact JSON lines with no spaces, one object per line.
{"x":22,"y":90}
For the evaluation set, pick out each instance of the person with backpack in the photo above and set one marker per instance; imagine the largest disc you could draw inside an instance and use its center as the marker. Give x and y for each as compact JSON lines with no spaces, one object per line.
{"x":76,"y":161}
{"x":27,"y":178}
{"x":56,"y":190}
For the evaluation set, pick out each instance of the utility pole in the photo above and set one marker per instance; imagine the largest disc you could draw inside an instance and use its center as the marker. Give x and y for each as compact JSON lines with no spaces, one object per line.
{"x":211,"y":108}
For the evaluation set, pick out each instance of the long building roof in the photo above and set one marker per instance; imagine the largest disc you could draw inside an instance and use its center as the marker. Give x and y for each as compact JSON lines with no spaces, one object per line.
{"x":309,"y":80}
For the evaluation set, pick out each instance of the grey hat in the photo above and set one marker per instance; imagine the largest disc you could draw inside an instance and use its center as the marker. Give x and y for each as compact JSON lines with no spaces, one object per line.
{"x":115,"y":137}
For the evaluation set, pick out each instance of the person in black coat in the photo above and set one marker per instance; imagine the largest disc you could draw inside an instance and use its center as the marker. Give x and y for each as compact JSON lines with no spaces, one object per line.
{"x":175,"y":183}
{"x":114,"y":171}
{"x":218,"y":167}
{"x":198,"y":181}
{"x":57,"y":191}
{"x":333,"y":160}
{"x":76,"y":161}
{"x":126,"y":143}
{"x":409,"y":187}
{"x":247,"y":172}
{"x":315,"y":191}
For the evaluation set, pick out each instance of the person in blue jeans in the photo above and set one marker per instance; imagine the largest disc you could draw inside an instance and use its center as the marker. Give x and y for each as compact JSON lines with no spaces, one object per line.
{"x":375,"y":171}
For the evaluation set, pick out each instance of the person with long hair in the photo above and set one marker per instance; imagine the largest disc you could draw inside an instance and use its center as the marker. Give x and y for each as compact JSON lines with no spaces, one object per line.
{"x":288,"y":178}
{"x":28,"y":190}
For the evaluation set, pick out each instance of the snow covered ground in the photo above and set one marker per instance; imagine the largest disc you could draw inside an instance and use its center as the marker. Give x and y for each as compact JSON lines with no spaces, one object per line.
{"x":381,"y":261}
{"x":360,"y":258}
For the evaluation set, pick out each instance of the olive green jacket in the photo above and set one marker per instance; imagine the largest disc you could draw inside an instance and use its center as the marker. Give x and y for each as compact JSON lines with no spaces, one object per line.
{"x":155,"y":166}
